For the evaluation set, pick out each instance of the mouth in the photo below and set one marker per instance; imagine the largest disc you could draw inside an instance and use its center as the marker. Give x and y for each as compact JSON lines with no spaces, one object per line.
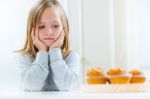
{"x":49,"y":39}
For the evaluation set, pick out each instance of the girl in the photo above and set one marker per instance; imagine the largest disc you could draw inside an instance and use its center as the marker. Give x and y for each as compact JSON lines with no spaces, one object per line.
{"x":46,"y":62}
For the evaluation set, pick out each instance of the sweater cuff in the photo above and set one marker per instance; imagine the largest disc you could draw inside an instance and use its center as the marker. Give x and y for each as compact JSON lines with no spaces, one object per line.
{"x":42,"y":57}
{"x":55,"y":54}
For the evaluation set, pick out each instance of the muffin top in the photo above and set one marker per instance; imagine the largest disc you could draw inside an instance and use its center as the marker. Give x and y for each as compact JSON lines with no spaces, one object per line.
{"x":95,"y":72}
{"x":135,"y":71}
{"x":116,"y":71}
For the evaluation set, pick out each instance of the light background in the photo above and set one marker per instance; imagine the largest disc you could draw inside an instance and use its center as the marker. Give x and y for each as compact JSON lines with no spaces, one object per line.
{"x":105,"y":33}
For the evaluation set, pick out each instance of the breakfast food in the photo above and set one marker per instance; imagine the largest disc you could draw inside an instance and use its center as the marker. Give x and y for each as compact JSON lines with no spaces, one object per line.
{"x":137,"y":76}
{"x":118,"y":76}
{"x":114,"y":76}
{"x":96,"y":76}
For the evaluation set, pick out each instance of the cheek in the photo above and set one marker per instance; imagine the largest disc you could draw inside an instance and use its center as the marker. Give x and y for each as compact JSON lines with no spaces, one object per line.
{"x":40,"y":36}
{"x":58,"y":32}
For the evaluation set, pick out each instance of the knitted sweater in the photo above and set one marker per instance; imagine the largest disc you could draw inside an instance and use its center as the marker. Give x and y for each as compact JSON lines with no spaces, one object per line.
{"x":49,"y":71}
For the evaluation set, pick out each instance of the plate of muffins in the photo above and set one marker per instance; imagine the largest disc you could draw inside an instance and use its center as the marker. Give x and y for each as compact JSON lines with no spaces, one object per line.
{"x":115,"y":80}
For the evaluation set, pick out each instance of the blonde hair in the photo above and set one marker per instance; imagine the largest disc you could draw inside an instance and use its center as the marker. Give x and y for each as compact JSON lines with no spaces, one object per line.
{"x":33,"y":21}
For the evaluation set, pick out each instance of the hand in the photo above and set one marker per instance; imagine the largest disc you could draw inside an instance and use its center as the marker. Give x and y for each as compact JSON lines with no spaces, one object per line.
{"x":59,"y":42}
{"x":36,"y":41}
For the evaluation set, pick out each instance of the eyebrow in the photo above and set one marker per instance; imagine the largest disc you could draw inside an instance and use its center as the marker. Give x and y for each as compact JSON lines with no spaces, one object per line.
{"x":41,"y":22}
{"x":55,"y":21}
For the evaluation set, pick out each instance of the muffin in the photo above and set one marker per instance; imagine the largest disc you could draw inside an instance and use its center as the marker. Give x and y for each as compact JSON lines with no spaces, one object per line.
{"x":137,"y":76}
{"x":96,"y":76}
{"x":118,"y":76}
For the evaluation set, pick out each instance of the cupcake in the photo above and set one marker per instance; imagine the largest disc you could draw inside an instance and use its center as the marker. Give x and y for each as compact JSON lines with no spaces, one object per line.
{"x":96,"y":76}
{"x":137,"y":76}
{"x":118,"y":76}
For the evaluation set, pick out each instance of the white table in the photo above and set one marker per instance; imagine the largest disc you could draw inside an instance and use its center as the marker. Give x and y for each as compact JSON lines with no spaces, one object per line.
{"x":71,"y":95}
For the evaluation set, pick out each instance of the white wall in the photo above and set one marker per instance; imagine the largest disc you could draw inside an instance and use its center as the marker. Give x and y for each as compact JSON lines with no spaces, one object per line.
{"x":13,"y":27}
{"x":144,"y":32}
{"x":116,"y":33}
{"x":125,"y":33}
{"x":96,"y":33}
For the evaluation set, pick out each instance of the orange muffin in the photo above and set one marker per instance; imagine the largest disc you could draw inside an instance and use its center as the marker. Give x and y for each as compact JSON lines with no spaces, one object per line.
{"x":118,"y":76}
{"x":95,"y":76}
{"x":137,"y":76}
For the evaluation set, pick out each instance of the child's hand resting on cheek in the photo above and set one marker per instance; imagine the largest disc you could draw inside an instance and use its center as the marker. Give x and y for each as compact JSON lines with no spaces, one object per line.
{"x":59,"y":42}
{"x":36,"y":41}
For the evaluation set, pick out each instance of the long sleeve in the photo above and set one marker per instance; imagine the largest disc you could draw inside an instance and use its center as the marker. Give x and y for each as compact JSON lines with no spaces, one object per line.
{"x":33,"y":74}
{"x":65,"y":72}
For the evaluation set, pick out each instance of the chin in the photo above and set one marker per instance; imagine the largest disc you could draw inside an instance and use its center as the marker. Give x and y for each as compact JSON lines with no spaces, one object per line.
{"x":48,"y":44}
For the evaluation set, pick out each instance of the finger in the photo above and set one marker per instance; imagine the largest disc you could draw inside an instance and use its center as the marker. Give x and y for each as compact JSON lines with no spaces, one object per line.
{"x":37,"y":30}
{"x":60,"y":35}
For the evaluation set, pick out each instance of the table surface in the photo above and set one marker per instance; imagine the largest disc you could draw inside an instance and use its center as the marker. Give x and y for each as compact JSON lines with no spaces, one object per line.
{"x":70,"y":95}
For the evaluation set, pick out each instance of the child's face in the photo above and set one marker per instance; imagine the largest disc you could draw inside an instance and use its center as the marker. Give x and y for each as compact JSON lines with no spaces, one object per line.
{"x":50,"y":26}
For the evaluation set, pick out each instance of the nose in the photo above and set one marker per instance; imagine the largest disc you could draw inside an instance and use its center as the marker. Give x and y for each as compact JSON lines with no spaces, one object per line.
{"x":49,"y":31}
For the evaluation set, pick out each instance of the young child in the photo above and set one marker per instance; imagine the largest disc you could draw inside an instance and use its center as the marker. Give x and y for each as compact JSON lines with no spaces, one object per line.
{"x":46,"y":61}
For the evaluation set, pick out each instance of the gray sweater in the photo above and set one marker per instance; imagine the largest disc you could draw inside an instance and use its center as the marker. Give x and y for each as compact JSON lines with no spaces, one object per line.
{"x":49,"y":71}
